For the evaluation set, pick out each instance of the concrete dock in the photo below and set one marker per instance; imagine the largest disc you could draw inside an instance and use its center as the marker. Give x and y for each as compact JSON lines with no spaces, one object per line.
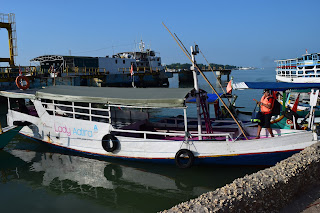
{"x":285,"y":187}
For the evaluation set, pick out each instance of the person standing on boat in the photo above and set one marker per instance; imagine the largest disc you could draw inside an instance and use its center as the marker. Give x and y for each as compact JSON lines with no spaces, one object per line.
{"x":266,"y":104}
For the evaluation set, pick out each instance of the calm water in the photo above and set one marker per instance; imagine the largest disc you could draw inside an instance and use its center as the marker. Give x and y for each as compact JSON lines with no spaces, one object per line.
{"x":36,"y":178}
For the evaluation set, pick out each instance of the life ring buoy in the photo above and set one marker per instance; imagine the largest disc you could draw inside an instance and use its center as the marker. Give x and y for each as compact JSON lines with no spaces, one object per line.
{"x":110,"y":142}
{"x":19,"y":81}
{"x":184,"y":158}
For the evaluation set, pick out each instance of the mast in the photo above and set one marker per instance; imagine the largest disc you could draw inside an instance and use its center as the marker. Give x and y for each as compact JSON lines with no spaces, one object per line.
{"x":194,"y":52}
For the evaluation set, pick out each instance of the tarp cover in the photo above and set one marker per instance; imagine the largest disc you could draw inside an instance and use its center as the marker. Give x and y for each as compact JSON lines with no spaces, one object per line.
{"x":278,"y":86}
{"x":211,"y":98}
{"x":139,"y":97}
{"x":29,"y":94}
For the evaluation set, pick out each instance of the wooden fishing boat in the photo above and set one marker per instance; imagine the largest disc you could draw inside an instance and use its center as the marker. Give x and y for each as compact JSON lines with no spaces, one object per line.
{"x":118,"y":123}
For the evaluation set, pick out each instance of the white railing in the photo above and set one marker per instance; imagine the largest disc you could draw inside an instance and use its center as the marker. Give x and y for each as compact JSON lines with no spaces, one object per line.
{"x":145,"y":133}
{"x":59,"y":111}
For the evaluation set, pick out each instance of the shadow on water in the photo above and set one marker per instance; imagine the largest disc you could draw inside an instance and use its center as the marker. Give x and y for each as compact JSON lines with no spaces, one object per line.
{"x":116,"y":185}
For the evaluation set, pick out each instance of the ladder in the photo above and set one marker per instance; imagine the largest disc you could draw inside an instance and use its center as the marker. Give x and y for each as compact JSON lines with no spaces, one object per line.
{"x":205,"y":113}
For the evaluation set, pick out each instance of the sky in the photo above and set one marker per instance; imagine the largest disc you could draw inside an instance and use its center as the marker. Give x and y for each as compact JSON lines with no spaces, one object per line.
{"x":240,"y":33}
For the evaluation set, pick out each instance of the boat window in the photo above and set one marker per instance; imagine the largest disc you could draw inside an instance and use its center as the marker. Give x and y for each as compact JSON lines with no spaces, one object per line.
{"x":309,"y":71}
{"x":125,"y":116}
{"x":25,"y":106}
{"x":116,"y":61}
{"x":19,"y":105}
{"x":78,"y":110}
{"x":315,"y":57}
{"x":124,"y":61}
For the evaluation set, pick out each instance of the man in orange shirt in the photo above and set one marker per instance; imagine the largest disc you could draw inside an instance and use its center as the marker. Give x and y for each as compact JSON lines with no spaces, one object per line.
{"x":266,"y":104}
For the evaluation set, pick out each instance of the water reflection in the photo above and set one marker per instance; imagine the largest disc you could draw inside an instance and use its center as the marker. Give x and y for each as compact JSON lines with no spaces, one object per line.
{"x":117,"y":185}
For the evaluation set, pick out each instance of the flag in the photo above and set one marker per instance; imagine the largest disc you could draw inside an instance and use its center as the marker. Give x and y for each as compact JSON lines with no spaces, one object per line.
{"x":229,"y":87}
{"x":295,"y":105}
{"x":131,"y":70}
{"x":306,"y":51}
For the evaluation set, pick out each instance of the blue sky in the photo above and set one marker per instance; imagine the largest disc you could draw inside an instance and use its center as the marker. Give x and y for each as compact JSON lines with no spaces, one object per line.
{"x":241,"y":33}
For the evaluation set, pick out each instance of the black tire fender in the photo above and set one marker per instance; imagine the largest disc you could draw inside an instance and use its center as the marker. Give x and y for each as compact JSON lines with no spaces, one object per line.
{"x":184,"y":158}
{"x":110,"y":143}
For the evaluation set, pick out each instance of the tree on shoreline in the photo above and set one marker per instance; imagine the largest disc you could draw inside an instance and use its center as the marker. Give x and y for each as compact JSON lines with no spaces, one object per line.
{"x":186,"y":66}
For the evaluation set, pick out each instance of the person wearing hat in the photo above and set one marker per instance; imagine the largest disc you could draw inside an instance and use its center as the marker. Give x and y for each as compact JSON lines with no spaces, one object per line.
{"x":266,"y":104}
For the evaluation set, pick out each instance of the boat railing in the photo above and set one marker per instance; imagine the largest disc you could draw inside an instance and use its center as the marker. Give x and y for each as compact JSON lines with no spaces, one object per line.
{"x":61,"y":110}
{"x":7,"y":72}
{"x":227,"y":136}
{"x":177,"y":122}
{"x":86,"y":71}
{"x":139,"y":70}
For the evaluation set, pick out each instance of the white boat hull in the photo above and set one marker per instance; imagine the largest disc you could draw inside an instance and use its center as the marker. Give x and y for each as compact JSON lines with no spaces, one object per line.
{"x":86,"y":137}
{"x":298,"y":80}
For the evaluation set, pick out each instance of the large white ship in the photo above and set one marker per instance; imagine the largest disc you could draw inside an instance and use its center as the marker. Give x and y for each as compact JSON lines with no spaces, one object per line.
{"x":305,"y":69}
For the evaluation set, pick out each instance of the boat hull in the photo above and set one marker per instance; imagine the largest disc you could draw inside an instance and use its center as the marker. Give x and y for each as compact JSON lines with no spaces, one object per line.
{"x":96,"y":138}
{"x":297,"y":80}
{"x":253,"y":152}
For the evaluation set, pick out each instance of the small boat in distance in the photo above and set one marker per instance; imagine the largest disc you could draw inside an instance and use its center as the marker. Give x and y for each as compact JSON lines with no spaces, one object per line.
{"x":305,"y":69}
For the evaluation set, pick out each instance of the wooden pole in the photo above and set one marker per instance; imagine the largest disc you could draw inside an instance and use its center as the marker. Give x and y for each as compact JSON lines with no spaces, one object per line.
{"x":205,"y":78}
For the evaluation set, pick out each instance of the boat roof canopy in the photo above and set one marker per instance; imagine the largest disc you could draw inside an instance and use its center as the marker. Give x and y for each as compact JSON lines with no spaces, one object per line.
{"x":136,"y":97}
{"x":277,"y":86}
{"x":29,"y":94}
{"x":211,"y":98}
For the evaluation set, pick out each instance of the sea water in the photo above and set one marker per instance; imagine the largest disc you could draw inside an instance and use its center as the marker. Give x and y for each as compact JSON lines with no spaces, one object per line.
{"x":36,"y":178}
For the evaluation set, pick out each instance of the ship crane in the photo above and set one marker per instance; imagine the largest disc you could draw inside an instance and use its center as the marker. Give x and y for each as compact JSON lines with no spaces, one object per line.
{"x":7,"y":21}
